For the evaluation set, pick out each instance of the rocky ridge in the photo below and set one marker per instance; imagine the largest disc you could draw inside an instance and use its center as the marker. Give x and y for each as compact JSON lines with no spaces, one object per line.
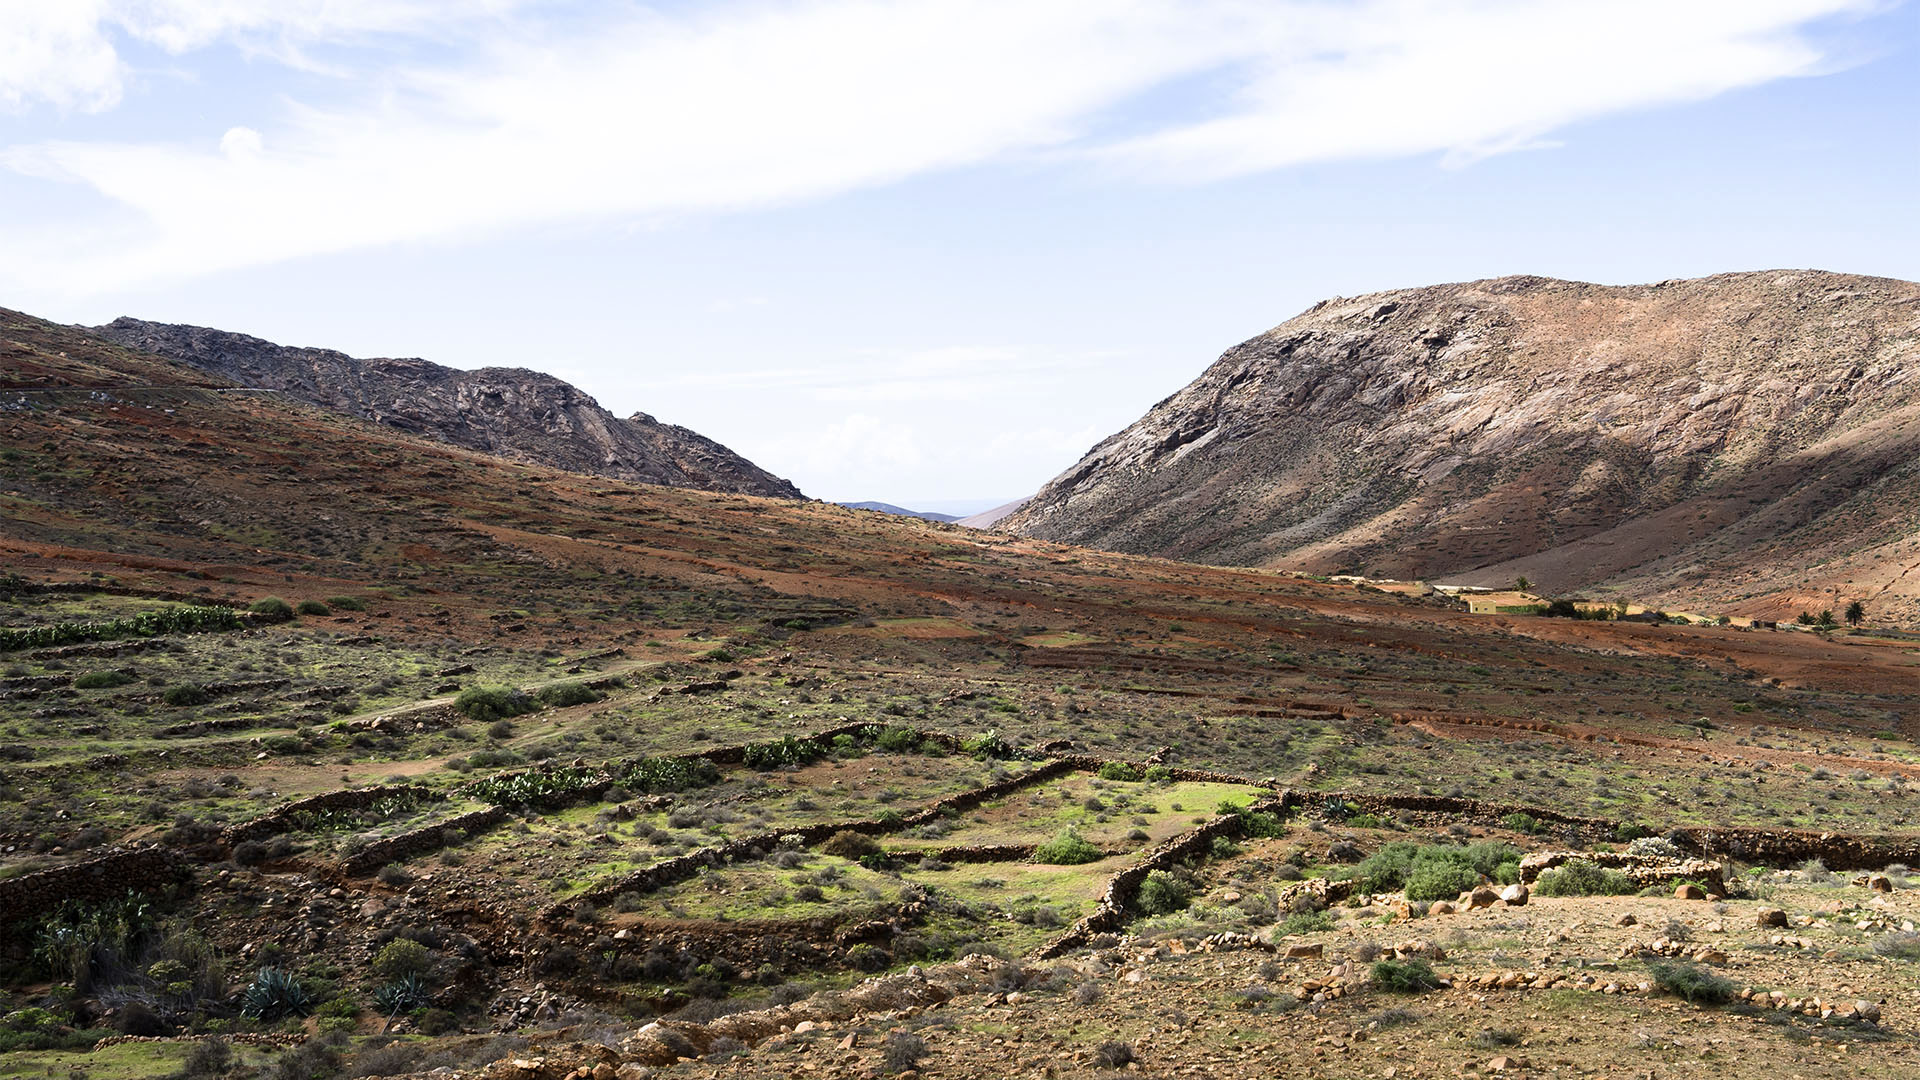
{"x":513,"y":412}
{"x":1696,"y":441}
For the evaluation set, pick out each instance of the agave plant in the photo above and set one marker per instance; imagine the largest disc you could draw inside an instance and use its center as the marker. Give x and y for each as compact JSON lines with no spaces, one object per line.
{"x":273,"y":995}
{"x":402,"y":995}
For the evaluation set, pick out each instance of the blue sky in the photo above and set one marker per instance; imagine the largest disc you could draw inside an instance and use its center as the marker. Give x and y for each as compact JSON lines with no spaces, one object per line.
{"x":927,"y":252}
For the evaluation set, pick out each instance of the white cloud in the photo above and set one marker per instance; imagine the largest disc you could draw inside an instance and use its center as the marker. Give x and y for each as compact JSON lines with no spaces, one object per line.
{"x":620,"y":114}
{"x":63,"y":52}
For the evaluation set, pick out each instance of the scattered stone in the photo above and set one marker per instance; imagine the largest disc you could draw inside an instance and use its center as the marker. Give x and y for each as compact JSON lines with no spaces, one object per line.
{"x":1770,"y":917}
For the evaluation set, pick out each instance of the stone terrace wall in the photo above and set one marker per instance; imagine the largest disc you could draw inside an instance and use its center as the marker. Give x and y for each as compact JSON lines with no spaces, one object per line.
{"x":286,"y":817}
{"x":150,"y":869}
{"x":681,"y":867}
{"x":1110,"y":914}
{"x":419,"y":841}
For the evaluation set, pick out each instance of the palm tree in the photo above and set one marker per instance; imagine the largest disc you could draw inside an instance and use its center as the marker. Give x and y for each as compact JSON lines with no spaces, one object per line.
{"x":1856,"y":611}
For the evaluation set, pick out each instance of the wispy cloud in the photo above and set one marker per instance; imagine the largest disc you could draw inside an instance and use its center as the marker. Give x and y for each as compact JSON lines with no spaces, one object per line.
{"x":532,"y":114}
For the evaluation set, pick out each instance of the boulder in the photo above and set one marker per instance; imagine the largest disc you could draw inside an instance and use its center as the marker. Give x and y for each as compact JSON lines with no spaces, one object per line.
{"x":1687,"y":890}
{"x":1482,"y":897}
{"x":1770,"y":917}
{"x":1514,"y":895}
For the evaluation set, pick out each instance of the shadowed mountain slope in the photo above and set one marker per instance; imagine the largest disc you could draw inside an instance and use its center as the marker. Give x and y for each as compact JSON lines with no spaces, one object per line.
{"x":513,"y":412}
{"x":1746,"y":441}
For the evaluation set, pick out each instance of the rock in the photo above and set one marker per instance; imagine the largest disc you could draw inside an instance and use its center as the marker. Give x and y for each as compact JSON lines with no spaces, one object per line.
{"x":1769,"y":917}
{"x":1503,"y":1063}
{"x":1305,"y":952}
{"x":1469,"y":385}
{"x":1866,"y":1010}
{"x":1626,"y":920}
{"x":529,"y":415}
{"x":1440,"y":907}
{"x":1880,"y":883}
{"x":1482,"y":897}
{"x":1419,"y":948}
{"x":1687,"y":890}
{"x":1514,"y":895}
{"x":603,"y":1071}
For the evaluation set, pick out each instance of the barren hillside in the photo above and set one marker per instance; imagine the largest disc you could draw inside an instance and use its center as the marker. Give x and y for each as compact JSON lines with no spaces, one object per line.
{"x":513,"y":412}
{"x":1743,"y":442}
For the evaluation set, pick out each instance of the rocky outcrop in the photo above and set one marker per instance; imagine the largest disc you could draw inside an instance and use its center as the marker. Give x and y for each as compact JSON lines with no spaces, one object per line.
{"x":513,"y":412}
{"x":1745,"y":441}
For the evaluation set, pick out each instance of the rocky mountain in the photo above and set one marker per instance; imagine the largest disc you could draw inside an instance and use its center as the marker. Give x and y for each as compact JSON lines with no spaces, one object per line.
{"x":512,"y":412}
{"x":1748,"y":440}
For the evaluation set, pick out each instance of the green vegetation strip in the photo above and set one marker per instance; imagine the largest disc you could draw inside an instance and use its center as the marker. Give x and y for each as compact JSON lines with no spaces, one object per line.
{"x":174,"y":620}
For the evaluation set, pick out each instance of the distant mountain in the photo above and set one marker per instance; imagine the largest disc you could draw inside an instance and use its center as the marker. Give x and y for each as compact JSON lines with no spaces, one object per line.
{"x":1746,"y":441}
{"x":987,"y":519}
{"x":898,"y":511}
{"x":512,"y":412}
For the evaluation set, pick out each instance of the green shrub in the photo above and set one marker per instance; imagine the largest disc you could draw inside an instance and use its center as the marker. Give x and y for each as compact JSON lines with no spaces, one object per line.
{"x":174,"y":620}
{"x":1386,"y":870}
{"x":1067,"y":848}
{"x":79,"y":940}
{"x":1120,"y":770}
{"x":402,"y":957}
{"x":346,"y":603}
{"x":561,"y":695}
{"x":533,"y":787}
{"x":312,"y":607}
{"x":653,"y":775}
{"x":1256,"y":824}
{"x":1305,"y":922}
{"x":1579,"y":877}
{"x":183,"y":694}
{"x":1405,"y":976}
{"x":988,"y":745}
{"x":1488,"y":856}
{"x":847,"y":844}
{"x":898,"y":740}
{"x":488,"y":703}
{"x":1161,"y":894}
{"x":782,"y":752}
{"x":1366,"y":821}
{"x":1439,"y":879}
{"x":1521,"y":822}
{"x":272,"y":609}
{"x":1159,"y":774}
{"x":1696,"y":985}
{"x":102,"y":680}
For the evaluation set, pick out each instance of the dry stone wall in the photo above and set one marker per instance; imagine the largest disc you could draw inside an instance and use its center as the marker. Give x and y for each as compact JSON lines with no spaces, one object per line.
{"x":112,"y":874}
{"x":419,"y":841}
{"x":286,"y":818}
